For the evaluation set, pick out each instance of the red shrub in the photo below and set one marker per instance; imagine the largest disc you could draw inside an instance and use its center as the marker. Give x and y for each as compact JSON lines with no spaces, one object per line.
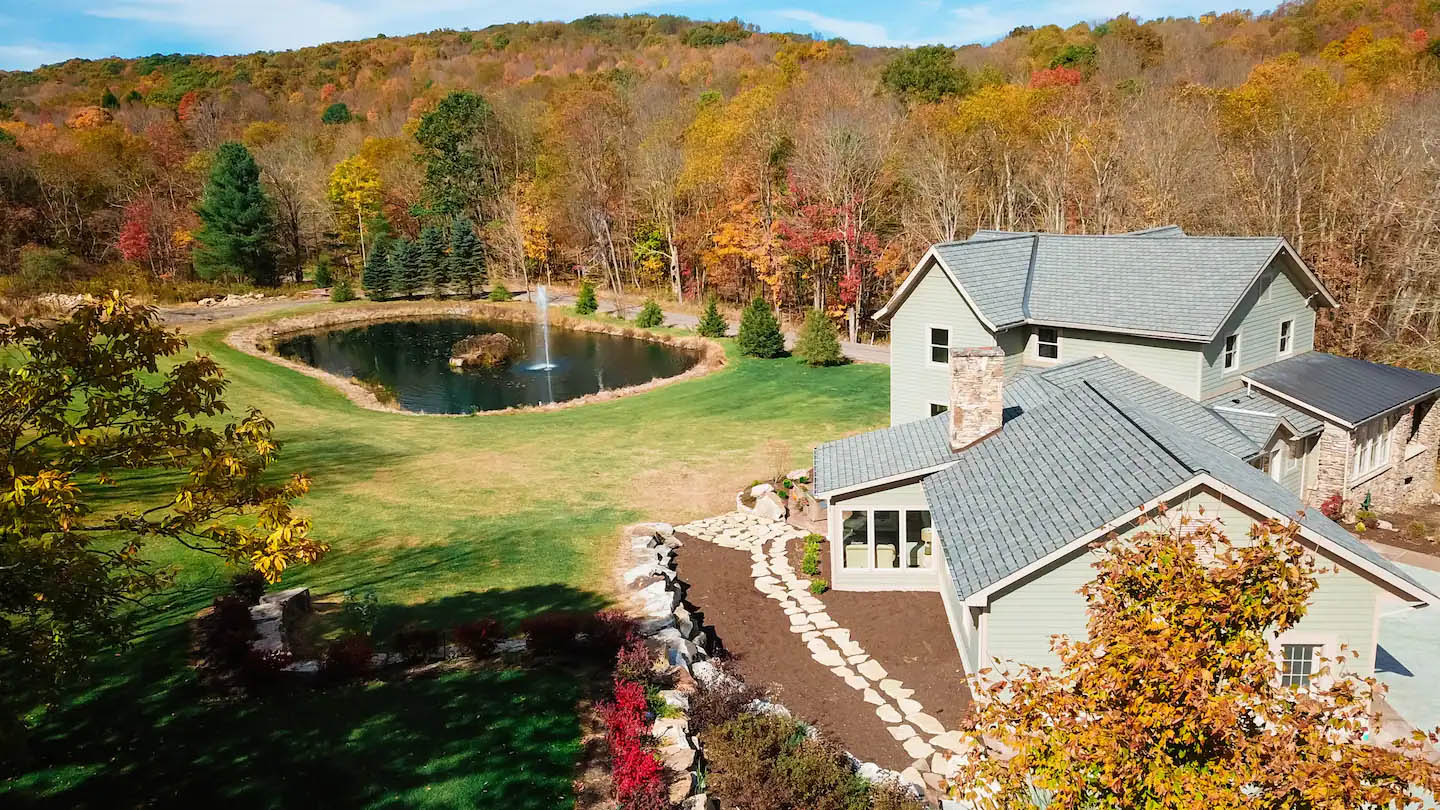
{"x":555,"y":631}
{"x":230,"y":629}
{"x":1056,"y":77}
{"x":634,"y":662}
{"x":349,"y":657}
{"x":479,"y":637}
{"x":264,"y":671}
{"x":607,"y":631}
{"x":417,"y":644}
{"x":1333,"y":507}
{"x":634,"y":768}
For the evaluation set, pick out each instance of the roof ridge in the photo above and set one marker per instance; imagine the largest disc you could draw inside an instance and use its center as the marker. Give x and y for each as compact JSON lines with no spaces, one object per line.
{"x":1110,"y":399}
{"x":1029,"y":277}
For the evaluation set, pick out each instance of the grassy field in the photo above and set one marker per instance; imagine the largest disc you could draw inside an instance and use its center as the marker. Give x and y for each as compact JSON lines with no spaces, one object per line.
{"x":446,"y":519}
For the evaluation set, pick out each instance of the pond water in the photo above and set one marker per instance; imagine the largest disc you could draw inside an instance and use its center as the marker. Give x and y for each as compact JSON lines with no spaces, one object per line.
{"x":412,"y":359}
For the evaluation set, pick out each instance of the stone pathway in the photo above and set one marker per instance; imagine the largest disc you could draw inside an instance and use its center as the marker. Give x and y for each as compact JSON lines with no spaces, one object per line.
{"x":923,"y":737}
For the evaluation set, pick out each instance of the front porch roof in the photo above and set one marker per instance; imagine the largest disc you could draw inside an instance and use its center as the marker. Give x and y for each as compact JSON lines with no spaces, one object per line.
{"x":1345,"y":390}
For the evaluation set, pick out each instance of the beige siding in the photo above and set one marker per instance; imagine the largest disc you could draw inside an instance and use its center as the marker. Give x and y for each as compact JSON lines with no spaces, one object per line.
{"x":1022,"y":619}
{"x":916,"y":381}
{"x":1257,"y":321}
{"x":904,"y":495}
{"x":1172,"y":363}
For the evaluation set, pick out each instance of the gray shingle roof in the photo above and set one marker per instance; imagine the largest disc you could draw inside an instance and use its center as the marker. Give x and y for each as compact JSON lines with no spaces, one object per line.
{"x":882,"y":453}
{"x":1257,"y":427}
{"x":1120,"y":282}
{"x":1350,"y":389}
{"x":1302,"y":423}
{"x":1163,"y":400}
{"x":1076,"y":463}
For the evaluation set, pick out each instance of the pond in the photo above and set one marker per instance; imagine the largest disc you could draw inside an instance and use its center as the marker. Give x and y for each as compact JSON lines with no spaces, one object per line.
{"x":412,"y":360}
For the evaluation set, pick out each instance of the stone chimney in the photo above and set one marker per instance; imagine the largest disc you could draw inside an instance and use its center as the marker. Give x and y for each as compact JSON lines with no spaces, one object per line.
{"x":977,"y":394}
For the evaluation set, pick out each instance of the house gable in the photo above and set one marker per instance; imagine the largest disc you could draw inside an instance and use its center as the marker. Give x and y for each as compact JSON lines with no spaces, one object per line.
{"x":1281,"y":294}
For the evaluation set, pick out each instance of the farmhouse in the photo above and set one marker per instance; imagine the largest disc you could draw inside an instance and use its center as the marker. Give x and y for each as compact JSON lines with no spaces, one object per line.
{"x":1049,"y":390}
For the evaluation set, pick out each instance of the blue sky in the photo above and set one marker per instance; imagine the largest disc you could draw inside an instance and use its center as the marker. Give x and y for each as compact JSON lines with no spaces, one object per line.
{"x":35,"y":32}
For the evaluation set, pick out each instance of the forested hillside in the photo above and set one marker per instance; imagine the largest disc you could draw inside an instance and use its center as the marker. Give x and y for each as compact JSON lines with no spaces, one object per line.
{"x":658,"y":152}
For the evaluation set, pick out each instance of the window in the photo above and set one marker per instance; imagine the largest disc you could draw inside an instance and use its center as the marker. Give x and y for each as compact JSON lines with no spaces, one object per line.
{"x":1294,"y":451}
{"x":1274,"y":465}
{"x":1372,"y":445}
{"x":1232,"y":352}
{"x":1047,"y":343}
{"x":1287,"y":340}
{"x":885,"y":539}
{"x":939,"y":345}
{"x":1297,"y":663}
{"x":937,"y":408}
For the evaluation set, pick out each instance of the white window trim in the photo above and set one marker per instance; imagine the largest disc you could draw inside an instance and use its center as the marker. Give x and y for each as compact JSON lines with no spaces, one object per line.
{"x":1293,"y":459}
{"x":1238,"y":347}
{"x":1059,"y":346}
{"x":1379,"y":446}
{"x":1286,"y":341}
{"x":1328,"y":644}
{"x":930,"y":344}
{"x":870,"y":511}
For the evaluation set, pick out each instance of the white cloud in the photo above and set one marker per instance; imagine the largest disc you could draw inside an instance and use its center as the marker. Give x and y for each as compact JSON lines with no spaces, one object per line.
{"x":857,"y":31}
{"x":31,"y":55}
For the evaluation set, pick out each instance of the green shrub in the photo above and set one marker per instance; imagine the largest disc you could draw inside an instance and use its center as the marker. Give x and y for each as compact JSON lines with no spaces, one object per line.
{"x":650,"y":315}
{"x":359,"y":611}
{"x":498,"y":290}
{"x":44,"y":268}
{"x":818,"y":344}
{"x":1418,"y":530}
{"x":810,"y":563}
{"x":768,"y":760}
{"x":322,"y":275}
{"x":585,"y":302}
{"x":337,"y":113}
{"x":342,"y":290}
{"x":891,"y":795}
{"x":819,"y":585}
{"x":759,"y":331}
{"x":1365,"y":515}
{"x":712,"y":323}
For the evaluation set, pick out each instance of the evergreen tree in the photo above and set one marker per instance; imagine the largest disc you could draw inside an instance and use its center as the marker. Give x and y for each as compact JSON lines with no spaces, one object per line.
{"x":498,"y":290}
{"x":405,"y":268}
{"x":434,"y":266}
{"x":342,"y":290}
{"x":712,"y":323}
{"x":109,"y":101}
{"x":236,"y":231}
{"x":462,"y":250}
{"x":377,"y":278}
{"x":818,"y":344}
{"x":585,"y":302}
{"x":650,"y":315}
{"x":759,"y":331}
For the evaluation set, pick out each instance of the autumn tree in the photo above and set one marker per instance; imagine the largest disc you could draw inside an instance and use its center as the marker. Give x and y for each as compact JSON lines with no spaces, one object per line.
{"x":355,"y":195}
{"x":926,"y":74}
{"x":90,"y":407}
{"x":1174,"y":699}
{"x":460,"y":148}
{"x":237,"y":232}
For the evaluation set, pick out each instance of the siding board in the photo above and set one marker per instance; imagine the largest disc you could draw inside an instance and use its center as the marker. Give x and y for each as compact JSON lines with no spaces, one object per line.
{"x":916,"y":381}
{"x":1258,"y":321}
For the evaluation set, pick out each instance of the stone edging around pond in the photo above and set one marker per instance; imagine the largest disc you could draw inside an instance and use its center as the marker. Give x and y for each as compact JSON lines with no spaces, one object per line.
{"x":257,"y":339}
{"x":671,"y":625}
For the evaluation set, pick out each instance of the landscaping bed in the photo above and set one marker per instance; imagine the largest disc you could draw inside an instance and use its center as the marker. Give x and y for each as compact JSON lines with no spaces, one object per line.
{"x":756,"y":638}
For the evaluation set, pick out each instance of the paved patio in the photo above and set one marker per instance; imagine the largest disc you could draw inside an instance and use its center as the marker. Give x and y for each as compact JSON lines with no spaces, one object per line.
{"x":923,"y":737}
{"x":1408,"y":658}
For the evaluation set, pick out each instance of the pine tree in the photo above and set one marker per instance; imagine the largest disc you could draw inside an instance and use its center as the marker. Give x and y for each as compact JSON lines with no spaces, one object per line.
{"x":342,"y":291}
{"x":818,"y":344}
{"x":377,"y":278}
{"x":712,"y":323}
{"x":434,"y":266}
{"x":462,"y":249}
{"x":650,"y":315}
{"x":109,"y":101}
{"x":759,"y":331}
{"x":236,"y":231}
{"x":498,"y":290}
{"x":585,"y":303}
{"x":405,"y":268}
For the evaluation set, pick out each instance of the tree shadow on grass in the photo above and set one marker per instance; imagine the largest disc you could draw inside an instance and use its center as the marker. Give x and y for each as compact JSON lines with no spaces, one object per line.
{"x":146,"y":733}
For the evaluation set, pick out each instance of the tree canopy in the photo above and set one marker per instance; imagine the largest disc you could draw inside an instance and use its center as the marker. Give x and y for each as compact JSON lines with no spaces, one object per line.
{"x":236,"y":236}
{"x":927,"y":73}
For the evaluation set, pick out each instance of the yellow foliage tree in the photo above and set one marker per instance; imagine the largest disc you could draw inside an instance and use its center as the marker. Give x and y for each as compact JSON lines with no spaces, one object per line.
{"x":354,"y":192}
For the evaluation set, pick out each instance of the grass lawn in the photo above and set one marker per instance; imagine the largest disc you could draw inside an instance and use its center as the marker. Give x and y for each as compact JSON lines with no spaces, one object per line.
{"x":446,"y":519}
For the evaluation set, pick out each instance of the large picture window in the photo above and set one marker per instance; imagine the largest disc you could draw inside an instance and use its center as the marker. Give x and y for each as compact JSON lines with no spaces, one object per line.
{"x":939,"y":345}
{"x":886,"y":539}
{"x":1372,"y":445}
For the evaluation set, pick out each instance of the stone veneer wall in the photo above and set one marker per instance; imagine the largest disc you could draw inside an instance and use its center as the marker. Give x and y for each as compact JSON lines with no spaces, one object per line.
{"x":977,"y":394}
{"x":1390,"y":489}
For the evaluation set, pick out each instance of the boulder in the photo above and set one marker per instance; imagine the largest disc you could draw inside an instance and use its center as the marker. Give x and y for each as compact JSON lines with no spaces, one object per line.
{"x":684,"y":622}
{"x":700,"y":801}
{"x":796,"y":475}
{"x":707,"y":674}
{"x":671,"y":731}
{"x":649,"y":627}
{"x":1385,"y":525}
{"x":760,"y":490}
{"x":770,"y":506}
{"x":676,"y":698}
{"x":762,"y":706}
{"x":682,"y":787}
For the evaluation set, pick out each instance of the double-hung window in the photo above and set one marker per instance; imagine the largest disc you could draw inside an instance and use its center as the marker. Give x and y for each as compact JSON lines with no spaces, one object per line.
{"x":939,"y":345}
{"x":1372,"y":445}
{"x":1047,"y":343}
{"x":1231,"y":358}
{"x":1287,"y":336}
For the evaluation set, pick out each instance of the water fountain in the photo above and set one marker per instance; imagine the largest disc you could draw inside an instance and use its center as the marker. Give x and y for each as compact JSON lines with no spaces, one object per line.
{"x":542,"y":309}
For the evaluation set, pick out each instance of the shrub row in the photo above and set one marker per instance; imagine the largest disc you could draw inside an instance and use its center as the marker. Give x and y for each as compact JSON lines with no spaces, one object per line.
{"x":810,"y":563}
{"x":635,"y":770}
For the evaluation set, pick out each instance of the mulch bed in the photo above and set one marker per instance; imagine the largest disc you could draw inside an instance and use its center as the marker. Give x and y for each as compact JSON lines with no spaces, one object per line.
{"x":1402,"y":536}
{"x":908,"y":633}
{"x":756,"y":636}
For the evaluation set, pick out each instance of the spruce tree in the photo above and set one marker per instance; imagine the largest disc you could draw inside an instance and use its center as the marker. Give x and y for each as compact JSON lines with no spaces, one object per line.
{"x":377,"y":277}
{"x":236,"y":231}
{"x":818,"y":344}
{"x":712,"y":323}
{"x":405,"y":268}
{"x":434,"y":266}
{"x":462,"y":248}
{"x":759,"y":331}
{"x":650,"y":315}
{"x":585,"y":303}
{"x":498,"y":290}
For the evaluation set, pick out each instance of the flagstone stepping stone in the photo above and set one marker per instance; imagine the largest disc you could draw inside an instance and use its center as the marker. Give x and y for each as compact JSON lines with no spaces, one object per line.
{"x":856,"y":682}
{"x":917,"y":748}
{"x":893,"y":688}
{"x":823,"y":624}
{"x":939,"y":763}
{"x":873,"y":698}
{"x":911,"y":776}
{"x":840,"y":635}
{"x":809,"y":634}
{"x":842,"y":672}
{"x":900,"y":733}
{"x":887,"y":713}
{"x":911,"y":706}
{"x":950,"y":740}
{"x":801,"y":628}
{"x":829,"y":658}
{"x":925,"y":723}
{"x":799,"y":619}
{"x":856,"y":659}
{"x":872,"y":670}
